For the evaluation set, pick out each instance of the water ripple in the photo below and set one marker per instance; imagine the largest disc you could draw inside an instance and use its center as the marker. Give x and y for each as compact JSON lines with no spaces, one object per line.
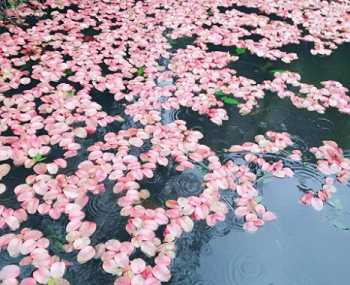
{"x":324,"y":124}
{"x":244,"y":269}
{"x":90,"y":273}
{"x":308,"y":176}
{"x":103,"y":210}
{"x":171,"y":115}
{"x":188,"y":183}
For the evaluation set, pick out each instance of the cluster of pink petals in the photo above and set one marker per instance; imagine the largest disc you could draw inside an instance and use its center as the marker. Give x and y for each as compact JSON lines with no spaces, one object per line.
{"x":271,"y":142}
{"x":326,"y":23}
{"x":12,"y":218}
{"x":4,"y":170}
{"x":331,"y":161}
{"x":33,"y":248}
{"x":57,"y":108}
{"x":332,"y":95}
{"x":318,"y":198}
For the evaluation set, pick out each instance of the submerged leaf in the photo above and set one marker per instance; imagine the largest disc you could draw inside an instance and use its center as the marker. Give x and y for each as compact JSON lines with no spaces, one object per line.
{"x":266,"y":66}
{"x":336,"y":203}
{"x":70,"y":93}
{"x":273,"y":71}
{"x":38,"y":158}
{"x":258,"y":199}
{"x":230,"y":100}
{"x":220,"y":93}
{"x":141,"y":71}
{"x":68,"y":72}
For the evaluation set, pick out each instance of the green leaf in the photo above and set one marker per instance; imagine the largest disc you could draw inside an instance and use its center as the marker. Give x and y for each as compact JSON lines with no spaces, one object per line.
{"x":68,"y":72}
{"x":141,"y":71}
{"x":230,"y":100}
{"x":12,"y":3}
{"x":219,"y":93}
{"x":336,"y":203}
{"x":240,"y":51}
{"x":51,"y":281}
{"x":58,"y":245}
{"x":38,"y":158}
{"x":70,"y":93}
{"x":266,"y":66}
{"x":273,"y":71}
{"x":258,"y":199}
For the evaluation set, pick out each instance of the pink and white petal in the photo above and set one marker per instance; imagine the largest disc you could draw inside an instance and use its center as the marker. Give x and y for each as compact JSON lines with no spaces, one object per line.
{"x":137,"y":265}
{"x":57,"y":269}
{"x":161,"y":272}
{"x":86,"y":254}
{"x":28,"y":281}
{"x":41,"y":275}
{"x":9,"y":271}
{"x":317,"y":203}
{"x":250,"y":227}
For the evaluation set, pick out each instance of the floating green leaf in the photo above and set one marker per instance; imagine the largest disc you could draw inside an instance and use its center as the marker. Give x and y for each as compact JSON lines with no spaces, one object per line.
{"x":258,"y":199}
{"x":276,"y":70}
{"x":266,"y":66}
{"x":70,"y":93}
{"x":202,"y":167}
{"x":38,"y":158}
{"x":51,"y":281}
{"x":141,"y":71}
{"x":58,"y":245}
{"x":219,"y":93}
{"x":230,"y":100}
{"x":336,"y":203}
{"x":68,"y":72}
{"x":240,"y":51}
{"x":12,"y":3}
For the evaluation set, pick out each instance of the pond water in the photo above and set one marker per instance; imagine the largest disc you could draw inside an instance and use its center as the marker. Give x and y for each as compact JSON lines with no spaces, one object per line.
{"x":302,"y":247}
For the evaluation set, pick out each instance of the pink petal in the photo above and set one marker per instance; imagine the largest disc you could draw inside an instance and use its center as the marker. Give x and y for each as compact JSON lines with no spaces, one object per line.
{"x":186,"y":223}
{"x":137,"y":265}
{"x":28,"y":281}
{"x":14,"y":247}
{"x":4,"y":170}
{"x":41,"y":275}
{"x":12,"y":222}
{"x":161,"y":272}
{"x":317,"y":203}
{"x":10,"y":281}
{"x":250,"y":227}
{"x":86,"y":254}
{"x":9,"y":272}
{"x":2,"y":188}
{"x":57,"y":269}
{"x":269,"y":216}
